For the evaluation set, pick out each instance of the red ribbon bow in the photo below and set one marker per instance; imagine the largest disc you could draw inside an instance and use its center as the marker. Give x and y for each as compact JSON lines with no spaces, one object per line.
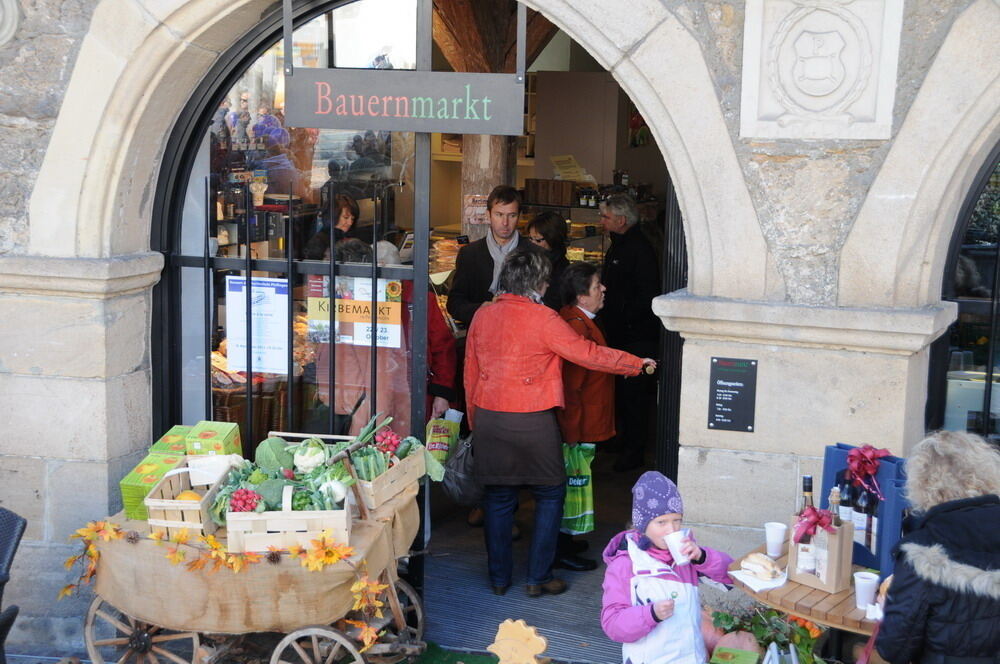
{"x":809,"y":520}
{"x":863,"y":463}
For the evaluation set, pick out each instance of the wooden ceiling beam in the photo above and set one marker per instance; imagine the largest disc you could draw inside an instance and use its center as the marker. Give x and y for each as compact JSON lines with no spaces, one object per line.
{"x":540,"y":32}
{"x":481,"y":35}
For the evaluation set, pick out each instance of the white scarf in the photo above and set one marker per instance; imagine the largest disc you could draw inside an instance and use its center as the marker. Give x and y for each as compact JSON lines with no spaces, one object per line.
{"x":498,"y":253}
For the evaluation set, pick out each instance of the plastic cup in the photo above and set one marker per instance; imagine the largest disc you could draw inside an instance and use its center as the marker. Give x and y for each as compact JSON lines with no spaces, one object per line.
{"x":865,"y":585}
{"x":674,"y":543}
{"x":774,"y":534}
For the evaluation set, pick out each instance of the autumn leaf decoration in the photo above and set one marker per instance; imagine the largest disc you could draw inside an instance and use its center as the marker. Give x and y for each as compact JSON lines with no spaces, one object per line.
{"x":325,"y":551}
{"x":95,"y":530}
{"x":368,"y":635}
{"x":202,"y":553}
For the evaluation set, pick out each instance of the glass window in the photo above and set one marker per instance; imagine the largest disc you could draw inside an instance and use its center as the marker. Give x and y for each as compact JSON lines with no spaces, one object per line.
{"x":972,"y":375}
{"x":294,"y":207}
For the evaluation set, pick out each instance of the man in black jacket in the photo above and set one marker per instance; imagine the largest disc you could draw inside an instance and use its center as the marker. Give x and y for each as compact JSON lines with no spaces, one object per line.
{"x":632,"y":279}
{"x":477,"y":268}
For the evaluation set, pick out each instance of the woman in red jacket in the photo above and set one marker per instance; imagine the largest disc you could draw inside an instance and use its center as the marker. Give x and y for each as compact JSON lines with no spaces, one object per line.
{"x":588,"y":416}
{"x":513,"y":382}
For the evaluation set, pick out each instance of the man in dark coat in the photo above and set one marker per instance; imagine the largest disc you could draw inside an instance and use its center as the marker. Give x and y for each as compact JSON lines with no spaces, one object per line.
{"x":477,"y":267}
{"x":632,"y":279}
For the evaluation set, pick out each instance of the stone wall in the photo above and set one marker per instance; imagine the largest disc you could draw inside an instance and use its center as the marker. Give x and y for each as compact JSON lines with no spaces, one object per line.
{"x":805,"y":231}
{"x":35,"y":68}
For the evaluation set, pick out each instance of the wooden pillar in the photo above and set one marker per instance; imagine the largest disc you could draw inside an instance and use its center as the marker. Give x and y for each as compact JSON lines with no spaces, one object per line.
{"x":486,"y":162}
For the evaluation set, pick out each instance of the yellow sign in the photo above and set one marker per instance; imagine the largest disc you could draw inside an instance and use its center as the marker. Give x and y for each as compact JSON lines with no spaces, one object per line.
{"x":356,"y":311}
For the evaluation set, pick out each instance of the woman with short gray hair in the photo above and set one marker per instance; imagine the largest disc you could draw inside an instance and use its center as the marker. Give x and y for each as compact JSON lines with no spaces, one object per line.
{"x":513,"y":383}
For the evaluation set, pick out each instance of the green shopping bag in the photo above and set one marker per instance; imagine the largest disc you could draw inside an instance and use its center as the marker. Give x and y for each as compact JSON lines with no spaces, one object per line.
{"x":578,"y":511}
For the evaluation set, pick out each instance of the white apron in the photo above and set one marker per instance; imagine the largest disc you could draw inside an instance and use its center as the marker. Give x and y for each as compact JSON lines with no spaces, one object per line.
{"x":676,"y":640}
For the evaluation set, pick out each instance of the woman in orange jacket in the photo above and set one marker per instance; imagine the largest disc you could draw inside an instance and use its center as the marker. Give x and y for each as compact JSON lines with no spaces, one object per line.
{"x":513,"y":381}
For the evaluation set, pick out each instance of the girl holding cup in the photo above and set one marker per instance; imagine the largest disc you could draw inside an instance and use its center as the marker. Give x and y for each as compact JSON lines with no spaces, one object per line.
{"x":651,"y":603}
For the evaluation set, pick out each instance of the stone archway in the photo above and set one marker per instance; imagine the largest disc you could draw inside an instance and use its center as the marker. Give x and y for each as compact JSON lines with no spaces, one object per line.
{"x":135,"y":73}
{"x":901,"y":237}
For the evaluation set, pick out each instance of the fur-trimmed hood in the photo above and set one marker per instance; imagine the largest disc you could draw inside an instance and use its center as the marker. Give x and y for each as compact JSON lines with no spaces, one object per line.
{"x":933,"y":564}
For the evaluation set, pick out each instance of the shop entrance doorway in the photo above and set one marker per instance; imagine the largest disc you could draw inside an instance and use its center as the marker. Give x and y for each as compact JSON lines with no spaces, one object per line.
{"x":609,"y":142}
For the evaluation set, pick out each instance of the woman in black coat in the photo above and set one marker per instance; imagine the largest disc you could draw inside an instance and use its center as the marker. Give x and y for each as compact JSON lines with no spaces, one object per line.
{"x":548,"y":231}
{"x":943,"y":605}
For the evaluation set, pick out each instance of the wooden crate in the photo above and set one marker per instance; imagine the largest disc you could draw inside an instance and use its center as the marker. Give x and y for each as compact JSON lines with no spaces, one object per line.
{"x":377,"y":492}
{"x":252,"y":531}
{"x":170,"y":516}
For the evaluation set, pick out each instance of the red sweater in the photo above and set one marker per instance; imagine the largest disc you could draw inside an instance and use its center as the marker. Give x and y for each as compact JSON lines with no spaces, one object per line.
{"x":588,"y":416}
{"x":514,"y":353}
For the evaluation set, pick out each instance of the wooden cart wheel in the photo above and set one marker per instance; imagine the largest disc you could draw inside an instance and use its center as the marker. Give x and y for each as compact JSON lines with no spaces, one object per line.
{"x":398,"y":646}
{"x":316,"y":645}
{"x":115,"y":638}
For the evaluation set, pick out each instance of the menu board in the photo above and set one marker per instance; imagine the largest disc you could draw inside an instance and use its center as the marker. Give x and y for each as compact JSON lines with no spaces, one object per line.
{"x":732,"y":394}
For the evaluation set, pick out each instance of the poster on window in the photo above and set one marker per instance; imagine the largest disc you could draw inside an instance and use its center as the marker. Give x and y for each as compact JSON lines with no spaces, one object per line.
{"x":269,"y":312}
{"x":353,"y":311}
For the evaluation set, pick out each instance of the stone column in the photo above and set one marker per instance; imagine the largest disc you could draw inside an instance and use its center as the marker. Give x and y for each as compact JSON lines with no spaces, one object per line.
{"x":75,"y":380}
{"x":824,"y":375}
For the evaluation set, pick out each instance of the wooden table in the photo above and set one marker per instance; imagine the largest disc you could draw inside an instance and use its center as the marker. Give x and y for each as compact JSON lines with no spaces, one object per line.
{"x":832,"y":610}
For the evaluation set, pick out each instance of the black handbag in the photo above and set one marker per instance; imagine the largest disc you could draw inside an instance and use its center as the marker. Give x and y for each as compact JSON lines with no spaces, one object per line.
{"x":460,"y":484}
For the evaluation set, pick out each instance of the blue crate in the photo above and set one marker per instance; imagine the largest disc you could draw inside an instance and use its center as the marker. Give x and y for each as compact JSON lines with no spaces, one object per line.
{"x":891,"y":478}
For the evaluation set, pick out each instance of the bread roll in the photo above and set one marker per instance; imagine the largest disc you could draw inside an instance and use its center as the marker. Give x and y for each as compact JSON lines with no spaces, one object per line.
{"x":760,"y":566}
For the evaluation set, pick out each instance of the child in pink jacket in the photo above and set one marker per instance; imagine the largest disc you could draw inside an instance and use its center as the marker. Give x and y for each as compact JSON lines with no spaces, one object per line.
{"x":651,"y":604}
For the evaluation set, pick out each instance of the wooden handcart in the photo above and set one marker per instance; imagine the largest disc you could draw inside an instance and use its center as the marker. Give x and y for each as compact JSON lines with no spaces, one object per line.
{"x":148,"y":610}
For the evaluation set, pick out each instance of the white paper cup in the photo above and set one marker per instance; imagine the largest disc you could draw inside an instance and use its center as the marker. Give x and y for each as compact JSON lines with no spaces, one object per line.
{"x":865,"y":585}
{"x":674,"y":543}
{"x":774,"y":534}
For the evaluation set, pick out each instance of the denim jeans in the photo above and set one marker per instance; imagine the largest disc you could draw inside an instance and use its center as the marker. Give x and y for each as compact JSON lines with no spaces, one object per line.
{"x":499,"y":503}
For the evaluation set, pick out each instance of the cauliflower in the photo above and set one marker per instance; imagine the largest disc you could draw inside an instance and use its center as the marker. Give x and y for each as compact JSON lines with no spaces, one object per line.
{"x":309,"y":455}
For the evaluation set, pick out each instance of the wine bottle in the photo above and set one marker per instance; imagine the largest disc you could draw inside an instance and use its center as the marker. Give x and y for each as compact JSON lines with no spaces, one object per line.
{"x":835,"y":505}
{"x":871,"y":521}
{"x":805,"y":556}
{"x":846,"y":495}
{"x":859,"y":515}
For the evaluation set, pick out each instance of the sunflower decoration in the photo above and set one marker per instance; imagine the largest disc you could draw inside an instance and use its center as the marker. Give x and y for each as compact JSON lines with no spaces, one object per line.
{"x":393,"y":291}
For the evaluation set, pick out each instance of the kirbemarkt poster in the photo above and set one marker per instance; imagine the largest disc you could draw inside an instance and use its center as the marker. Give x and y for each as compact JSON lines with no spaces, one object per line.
{"x":353,"y":312}
{"x":269,"y":311}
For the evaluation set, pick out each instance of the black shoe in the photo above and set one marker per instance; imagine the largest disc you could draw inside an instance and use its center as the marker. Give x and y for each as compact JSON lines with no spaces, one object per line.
{"x":628,"y":462}
{"x":553,"y":587}
{"x":575,"y":563}
{"x":500,"y":590}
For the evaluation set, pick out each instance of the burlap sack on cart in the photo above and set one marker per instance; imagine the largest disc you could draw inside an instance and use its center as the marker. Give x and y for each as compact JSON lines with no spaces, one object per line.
{"x":139,"y":580}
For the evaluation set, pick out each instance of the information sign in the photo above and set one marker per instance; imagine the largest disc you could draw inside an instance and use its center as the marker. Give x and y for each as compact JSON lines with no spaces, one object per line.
{"x":732,"y":394}
{"x":353,"y":313}
{"x":405,"y":100}
{"x":269,"y":311}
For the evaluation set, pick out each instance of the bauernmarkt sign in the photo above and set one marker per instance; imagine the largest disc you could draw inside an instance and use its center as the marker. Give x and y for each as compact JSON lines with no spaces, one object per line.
{"x":405,"y":100}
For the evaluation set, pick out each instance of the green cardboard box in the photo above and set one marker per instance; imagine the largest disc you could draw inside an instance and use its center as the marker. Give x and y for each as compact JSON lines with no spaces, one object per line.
{"x":725,"y":655}
{"x":141,"y":480}
{"x":173,"y":441}
{"x":207,"y":438}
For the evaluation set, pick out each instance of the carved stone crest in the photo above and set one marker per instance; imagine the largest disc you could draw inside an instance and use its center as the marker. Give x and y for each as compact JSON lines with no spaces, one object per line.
{"x":819,"y":68}
{"x":10,"y":17}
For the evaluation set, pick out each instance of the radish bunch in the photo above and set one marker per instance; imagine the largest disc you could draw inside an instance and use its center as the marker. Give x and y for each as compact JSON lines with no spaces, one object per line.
{"x":387,"y":441}
{"x":244,"y":500}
